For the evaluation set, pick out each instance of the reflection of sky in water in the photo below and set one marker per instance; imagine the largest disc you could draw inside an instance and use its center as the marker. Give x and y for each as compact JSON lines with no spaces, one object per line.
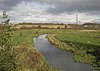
{"x":59,"y":58}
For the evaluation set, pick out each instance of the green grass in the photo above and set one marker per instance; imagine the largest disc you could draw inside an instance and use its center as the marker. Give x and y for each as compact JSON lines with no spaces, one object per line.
{"x":25,"y":37}
{"x":78,"y":42}
{"x":91,"y":38}
{"x":81,"y":44}
{"x":22,"y":40}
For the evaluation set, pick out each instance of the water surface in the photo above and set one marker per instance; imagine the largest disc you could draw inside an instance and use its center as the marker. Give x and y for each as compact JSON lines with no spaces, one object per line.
{"x":58,"y":57}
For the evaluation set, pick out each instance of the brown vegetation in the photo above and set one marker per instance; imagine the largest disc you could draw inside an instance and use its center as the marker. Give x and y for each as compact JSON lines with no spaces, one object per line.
{"x":28,"y":58}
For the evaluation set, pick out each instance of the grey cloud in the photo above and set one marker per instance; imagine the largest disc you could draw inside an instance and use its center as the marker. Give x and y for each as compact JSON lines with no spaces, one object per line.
{"x":93,"y":13}
{"x":61,"y":6}
{"x":75,"y":5}
{"x":8,"y":4}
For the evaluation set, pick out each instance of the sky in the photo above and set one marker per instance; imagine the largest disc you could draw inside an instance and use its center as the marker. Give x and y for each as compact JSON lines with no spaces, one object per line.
{"x":62,"y":11}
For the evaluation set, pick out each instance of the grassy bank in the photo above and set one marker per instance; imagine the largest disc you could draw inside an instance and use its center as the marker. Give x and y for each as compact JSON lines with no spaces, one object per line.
{"x":28,"y":58}
{"x":81,"y":44}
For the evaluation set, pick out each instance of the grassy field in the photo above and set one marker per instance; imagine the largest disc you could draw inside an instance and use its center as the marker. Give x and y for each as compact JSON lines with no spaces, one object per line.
{"x":25,"y":37}
{"x":28,"y":58}
{"x":84,"y":39}
{"x":81,"y":43}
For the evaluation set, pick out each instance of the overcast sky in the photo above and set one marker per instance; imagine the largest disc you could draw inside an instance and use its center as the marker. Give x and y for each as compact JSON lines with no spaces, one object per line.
{"x":51,"y":10}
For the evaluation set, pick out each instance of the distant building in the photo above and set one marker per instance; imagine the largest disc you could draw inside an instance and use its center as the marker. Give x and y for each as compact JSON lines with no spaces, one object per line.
{"x":91,"y":25}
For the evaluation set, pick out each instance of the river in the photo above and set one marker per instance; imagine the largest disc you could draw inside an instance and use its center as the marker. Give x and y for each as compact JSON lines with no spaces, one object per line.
{"x":58,"y":57}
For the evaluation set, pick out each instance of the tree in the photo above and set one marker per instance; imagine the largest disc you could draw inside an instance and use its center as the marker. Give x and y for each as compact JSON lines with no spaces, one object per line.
{"x":6,"y":20}
{"x":7,"y":55}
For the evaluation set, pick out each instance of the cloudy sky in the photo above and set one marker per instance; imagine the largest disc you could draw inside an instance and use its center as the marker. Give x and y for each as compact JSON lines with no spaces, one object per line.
{"x":51,"y":10}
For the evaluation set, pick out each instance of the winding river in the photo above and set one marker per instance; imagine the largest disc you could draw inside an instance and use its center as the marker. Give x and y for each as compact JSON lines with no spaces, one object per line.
{"x":58,"y":57}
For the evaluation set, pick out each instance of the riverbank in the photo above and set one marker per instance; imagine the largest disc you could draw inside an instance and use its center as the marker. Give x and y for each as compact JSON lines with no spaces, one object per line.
{"x":27,"y":57}
{"x":80,"y":55}
{"x":22,"y":40}
{"x":58,"y":57}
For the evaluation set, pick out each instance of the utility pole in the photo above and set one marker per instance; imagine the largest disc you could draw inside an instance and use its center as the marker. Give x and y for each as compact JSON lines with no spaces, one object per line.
{"x":76,"y":18}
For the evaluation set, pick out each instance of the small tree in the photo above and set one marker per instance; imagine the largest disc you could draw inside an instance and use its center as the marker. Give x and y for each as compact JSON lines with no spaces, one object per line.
{"x":6,"y":20}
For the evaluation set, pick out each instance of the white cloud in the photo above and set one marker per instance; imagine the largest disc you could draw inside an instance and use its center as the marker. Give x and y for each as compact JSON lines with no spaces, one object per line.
{"x":28,"y":12}
{"x":37,"y":12}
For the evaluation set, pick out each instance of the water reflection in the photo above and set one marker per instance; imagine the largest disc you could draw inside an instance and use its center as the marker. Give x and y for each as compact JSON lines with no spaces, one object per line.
{"x":59,"y":58}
